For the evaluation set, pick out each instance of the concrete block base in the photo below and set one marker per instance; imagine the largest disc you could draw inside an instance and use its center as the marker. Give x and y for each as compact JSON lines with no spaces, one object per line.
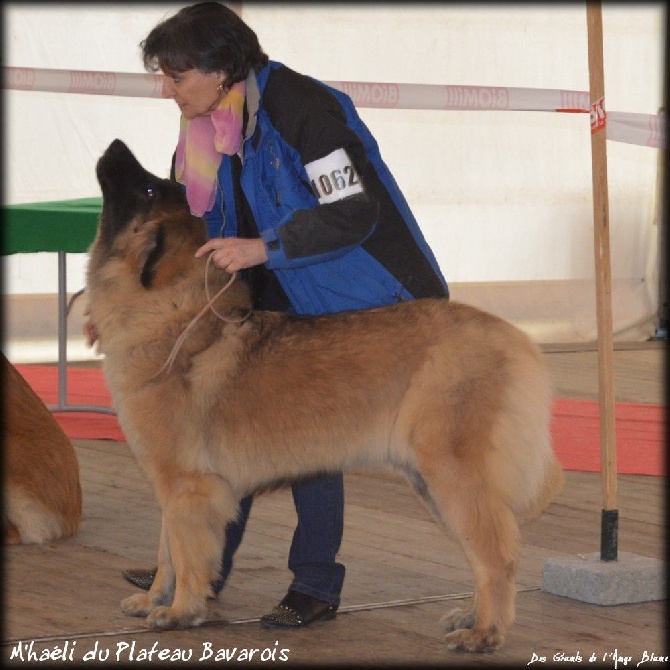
{"x":629,"y":579}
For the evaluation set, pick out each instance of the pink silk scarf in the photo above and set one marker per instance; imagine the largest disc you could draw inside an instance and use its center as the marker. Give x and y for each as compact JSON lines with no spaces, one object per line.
{"x":202,"y":142}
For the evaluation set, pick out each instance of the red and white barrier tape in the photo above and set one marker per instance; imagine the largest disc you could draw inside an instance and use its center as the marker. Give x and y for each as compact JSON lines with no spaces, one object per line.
{"x":631,"y":128}
{"x":83,"y":81}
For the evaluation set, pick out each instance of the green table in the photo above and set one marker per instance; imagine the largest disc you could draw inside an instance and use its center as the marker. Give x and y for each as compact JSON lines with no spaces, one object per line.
{"x":66,"y":226}
{"x":63,"y":226}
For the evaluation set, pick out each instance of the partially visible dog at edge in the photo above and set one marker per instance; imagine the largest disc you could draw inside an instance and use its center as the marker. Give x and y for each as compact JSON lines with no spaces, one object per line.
{"x":456,"y":399}
{"x":41,"y":487}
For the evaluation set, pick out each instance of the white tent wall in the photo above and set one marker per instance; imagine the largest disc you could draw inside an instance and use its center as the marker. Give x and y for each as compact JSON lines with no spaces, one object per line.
{"x":504,"y":197}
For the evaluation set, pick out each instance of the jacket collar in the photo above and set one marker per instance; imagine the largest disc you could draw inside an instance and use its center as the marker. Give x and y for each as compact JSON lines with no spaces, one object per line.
{"x":252,"y":104}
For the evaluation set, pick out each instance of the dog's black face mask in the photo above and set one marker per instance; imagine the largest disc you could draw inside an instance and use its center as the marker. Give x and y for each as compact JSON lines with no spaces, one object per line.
{"x":128,"y":190}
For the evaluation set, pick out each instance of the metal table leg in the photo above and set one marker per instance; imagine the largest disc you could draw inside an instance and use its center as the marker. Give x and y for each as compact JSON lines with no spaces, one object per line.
{"x":63,"y":405}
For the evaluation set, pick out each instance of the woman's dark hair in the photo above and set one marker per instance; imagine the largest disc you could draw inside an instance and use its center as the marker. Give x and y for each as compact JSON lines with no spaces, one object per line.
{"x":208,"y":37}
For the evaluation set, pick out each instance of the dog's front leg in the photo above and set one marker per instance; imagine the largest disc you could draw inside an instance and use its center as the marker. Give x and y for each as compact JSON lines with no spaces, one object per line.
{"x":162,"y":589}
{"x":196,"y":514}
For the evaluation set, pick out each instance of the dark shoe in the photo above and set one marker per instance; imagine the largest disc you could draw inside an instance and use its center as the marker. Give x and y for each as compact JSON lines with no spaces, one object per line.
{"x":141,"y":578}
{"x":145,"y":578}
{"x":297,"y":610}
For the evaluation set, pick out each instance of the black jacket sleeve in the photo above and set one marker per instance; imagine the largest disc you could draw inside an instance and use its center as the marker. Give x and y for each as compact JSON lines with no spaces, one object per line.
{"x":311,"y":120}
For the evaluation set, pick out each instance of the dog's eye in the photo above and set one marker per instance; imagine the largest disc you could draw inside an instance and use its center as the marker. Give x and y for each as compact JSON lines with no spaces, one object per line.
{"x":150,"y":191}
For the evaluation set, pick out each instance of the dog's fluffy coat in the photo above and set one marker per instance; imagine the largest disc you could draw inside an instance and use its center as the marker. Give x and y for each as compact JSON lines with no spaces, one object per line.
{"x":455,"y":398}
{"x":41,"y":487}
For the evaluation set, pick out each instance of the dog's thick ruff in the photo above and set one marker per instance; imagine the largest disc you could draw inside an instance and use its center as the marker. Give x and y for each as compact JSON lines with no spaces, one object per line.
{"x":456,"y":399}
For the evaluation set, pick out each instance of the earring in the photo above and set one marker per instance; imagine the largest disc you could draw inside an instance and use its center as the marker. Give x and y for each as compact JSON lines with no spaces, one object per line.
{"x":219,"y":88}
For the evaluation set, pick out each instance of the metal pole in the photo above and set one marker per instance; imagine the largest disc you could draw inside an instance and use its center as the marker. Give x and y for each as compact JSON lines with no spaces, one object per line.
{"x":62,"y":330}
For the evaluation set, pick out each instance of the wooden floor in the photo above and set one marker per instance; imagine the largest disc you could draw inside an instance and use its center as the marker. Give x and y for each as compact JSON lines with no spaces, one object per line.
{"x":402,"y":573}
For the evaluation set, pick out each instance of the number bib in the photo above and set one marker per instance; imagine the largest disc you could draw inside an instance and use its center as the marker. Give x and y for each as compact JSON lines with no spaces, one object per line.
{"x":333,"y":177}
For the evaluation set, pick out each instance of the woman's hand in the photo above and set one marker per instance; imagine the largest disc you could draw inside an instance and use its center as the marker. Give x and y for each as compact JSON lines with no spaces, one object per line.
{"x":234,"y":253}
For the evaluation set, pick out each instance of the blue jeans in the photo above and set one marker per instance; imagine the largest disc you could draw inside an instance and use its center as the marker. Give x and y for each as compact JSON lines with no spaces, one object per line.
{"x":319,"y":502}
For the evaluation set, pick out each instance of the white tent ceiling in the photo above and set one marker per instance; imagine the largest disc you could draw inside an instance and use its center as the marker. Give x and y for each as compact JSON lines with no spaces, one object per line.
{"x":504,"y":197}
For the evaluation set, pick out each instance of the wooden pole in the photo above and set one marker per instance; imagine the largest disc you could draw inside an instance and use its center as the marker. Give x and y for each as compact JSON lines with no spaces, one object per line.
{"x":609,"y":526}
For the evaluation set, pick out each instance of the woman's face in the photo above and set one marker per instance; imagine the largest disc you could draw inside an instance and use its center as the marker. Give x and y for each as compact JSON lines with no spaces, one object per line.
{"x":196,"y":93}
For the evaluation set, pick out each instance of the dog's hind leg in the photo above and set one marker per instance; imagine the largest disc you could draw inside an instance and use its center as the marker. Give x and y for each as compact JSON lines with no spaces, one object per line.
{"x":162,"y":588}
{"x":488,"y":532}
{"x":489,"y":536}
{"x":196,"y":510}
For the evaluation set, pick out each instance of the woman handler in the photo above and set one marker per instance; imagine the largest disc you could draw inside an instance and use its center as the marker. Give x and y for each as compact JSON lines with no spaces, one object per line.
{"x":296,"y":196}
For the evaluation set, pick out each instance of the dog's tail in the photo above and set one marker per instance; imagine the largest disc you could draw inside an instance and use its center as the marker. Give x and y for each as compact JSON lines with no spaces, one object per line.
{"x":41,"y":487}
{"x":523,"y":462}
{"x":27,"y":520}
{"x":553,"y":485}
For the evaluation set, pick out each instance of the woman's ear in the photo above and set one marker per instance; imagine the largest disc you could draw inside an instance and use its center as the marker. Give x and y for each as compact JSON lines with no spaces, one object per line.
{"x":221,"y":78}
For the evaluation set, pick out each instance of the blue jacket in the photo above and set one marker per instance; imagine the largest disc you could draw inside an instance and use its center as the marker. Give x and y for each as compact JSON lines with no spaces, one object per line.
{"x":338,"y":231}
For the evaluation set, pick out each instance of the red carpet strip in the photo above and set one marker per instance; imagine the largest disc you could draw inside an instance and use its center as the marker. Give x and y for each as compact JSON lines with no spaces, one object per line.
{"x":640,"y":429}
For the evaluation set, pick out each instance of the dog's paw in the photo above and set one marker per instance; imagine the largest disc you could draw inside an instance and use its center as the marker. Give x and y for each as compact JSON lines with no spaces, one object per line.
{"x":137,"y":605}
{"x":457,"y":619}
{"x":167,"y":618}
{"x":474,"y":640}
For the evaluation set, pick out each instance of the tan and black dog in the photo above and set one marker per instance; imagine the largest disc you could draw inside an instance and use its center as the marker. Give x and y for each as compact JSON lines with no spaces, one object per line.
{"x":40,"y":479}
{"x":456,"y":399}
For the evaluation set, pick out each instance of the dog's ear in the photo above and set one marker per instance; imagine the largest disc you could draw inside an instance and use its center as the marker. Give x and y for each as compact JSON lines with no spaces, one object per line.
{"x":152,"y":252}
